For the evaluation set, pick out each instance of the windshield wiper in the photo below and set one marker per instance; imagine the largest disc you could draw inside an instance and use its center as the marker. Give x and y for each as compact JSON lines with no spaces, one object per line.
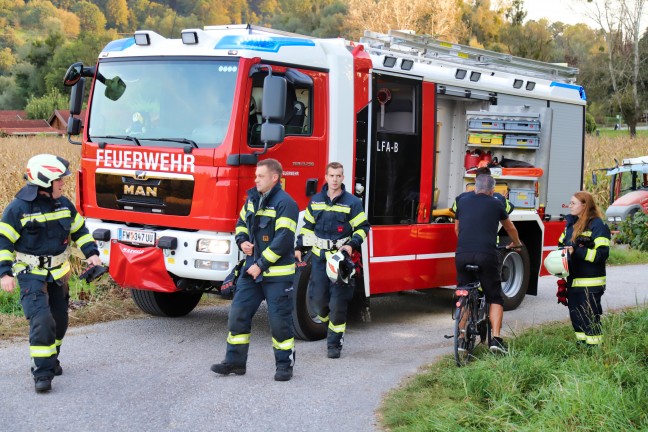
{"x":178,"y":140}
{"x":121,"y":137}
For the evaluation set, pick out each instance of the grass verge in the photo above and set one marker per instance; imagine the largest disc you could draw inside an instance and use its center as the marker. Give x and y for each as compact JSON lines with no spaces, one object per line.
{"x":621,"y":255}
{"x":547,"y":383}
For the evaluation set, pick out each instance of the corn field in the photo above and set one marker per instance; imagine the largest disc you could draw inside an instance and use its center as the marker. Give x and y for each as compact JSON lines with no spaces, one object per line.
{"x":600,"y":152}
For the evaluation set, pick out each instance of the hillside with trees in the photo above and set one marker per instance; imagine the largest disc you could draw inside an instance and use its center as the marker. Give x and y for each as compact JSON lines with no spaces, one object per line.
{"x":41,"y":38}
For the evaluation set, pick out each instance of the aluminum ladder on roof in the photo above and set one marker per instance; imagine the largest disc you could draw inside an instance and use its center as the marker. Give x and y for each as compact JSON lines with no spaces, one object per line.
{"x":426,"y":47}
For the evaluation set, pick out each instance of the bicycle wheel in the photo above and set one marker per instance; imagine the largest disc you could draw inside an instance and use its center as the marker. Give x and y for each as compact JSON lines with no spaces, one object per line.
{"x":464,"y":339}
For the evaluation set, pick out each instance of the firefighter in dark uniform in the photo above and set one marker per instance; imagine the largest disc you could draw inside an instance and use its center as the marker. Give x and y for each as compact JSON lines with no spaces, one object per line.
{"x":334,"y":220}
{"x":587,"y":239}
{"x":265,"y":232}
{"x":34,"y":247}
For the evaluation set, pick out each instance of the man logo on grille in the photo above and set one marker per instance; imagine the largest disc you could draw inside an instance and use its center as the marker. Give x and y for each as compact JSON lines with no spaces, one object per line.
{"x":140,"y":175}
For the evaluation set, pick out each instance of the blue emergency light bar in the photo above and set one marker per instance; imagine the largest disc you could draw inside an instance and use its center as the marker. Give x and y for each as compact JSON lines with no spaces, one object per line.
{"x":260,"y":43}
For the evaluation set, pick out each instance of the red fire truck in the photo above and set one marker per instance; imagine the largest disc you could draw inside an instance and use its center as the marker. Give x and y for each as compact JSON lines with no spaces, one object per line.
{"x":175,"y":127}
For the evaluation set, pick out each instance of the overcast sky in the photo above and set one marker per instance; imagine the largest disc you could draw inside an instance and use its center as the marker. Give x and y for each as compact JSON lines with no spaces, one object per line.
{"x":567,"y":11}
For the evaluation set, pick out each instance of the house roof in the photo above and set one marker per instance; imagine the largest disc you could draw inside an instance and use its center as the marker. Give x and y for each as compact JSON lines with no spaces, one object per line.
{"x":64,"y":115}
{"x":27,"y":127}
{"x":12,"y":115}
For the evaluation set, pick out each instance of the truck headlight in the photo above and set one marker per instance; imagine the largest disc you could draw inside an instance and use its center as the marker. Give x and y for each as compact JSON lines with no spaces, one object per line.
{"x":213,"y":246}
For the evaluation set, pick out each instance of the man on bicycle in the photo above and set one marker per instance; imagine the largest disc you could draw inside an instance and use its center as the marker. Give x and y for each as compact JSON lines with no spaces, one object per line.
{"x":477,"y":222}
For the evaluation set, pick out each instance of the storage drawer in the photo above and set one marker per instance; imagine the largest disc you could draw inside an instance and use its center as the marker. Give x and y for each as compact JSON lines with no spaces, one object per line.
{"x":500,"y":188}
{"x":522,"y":140}
{"x":484,"y":124}
{"x":486,"y":139}
{"x":522,"y":198}
{"x":522,"y":125}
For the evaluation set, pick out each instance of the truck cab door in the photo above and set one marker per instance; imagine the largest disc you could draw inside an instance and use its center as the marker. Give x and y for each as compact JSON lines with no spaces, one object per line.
{"x":303,"y":149}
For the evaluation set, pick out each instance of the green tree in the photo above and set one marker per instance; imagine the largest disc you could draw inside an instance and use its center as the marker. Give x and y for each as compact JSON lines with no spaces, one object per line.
{"x":43,"y":107}
{"x":10,"y":95}
{"x":7,"y":61}
{"x":321,"y":18}
{"x":90,"y":16}
{"x":515,"y":13}
{"x":117,"y":15}
{"x":620,"y":20}
{"x":211,"y":13}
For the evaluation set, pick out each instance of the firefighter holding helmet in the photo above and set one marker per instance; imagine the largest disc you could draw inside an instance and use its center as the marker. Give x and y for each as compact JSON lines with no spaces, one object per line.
{"x":35,"y":235}
{"x":586,"y":240}
{"x":335,"y":224}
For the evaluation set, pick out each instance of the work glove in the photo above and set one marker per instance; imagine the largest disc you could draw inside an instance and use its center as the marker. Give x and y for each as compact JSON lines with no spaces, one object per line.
{"x":92,"y":273}
{"x":561,"y":294}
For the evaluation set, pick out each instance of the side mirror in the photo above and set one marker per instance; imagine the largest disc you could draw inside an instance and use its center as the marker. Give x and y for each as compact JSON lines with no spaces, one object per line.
{"x":272,"y":133}
{"x":274,"y":98}
{"x":73,"y":74}
{"x":74,"y":126}
{"x":76,"y":97}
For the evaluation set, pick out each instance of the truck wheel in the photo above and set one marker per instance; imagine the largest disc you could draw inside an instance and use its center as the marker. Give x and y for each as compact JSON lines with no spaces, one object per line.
{"x":166,"y":304}
{"x":306,"y":326}
{"x":515,"y":275}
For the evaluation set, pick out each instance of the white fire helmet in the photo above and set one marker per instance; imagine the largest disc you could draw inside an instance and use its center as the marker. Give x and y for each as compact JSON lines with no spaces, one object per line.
{"x":339,"y":267}
{"x":43,"y":169}
{"x":556,"y":263}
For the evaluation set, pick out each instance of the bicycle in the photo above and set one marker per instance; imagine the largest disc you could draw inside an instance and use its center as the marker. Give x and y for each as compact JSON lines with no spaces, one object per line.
{"x":471,"y":318}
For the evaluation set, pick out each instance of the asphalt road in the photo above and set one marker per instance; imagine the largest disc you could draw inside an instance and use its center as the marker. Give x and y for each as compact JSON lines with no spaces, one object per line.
{"x":153,"y":374}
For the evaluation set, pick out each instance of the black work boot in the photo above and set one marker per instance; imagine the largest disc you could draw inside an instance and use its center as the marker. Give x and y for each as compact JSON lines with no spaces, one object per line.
{"x":228,"y":368}
{"x":42,"y":384}
{"x":58,"y":370}
{"x":334,"y":352}
{"x":283,"y":373}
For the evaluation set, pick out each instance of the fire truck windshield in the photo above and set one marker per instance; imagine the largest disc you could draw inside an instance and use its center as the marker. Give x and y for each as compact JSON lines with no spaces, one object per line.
{"x":163,"y":103}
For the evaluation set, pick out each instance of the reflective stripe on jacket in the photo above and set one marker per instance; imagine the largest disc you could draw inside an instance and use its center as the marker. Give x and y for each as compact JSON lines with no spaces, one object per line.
{"x":591,"y":251}
{"x":342,"y":217}
{"x":42,"y":227}
{"x":271,"y":229}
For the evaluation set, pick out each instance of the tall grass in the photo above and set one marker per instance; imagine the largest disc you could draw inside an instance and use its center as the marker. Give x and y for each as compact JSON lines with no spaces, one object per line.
{"x":547,"y":383}
{"x":16,"y":151}
{"x":600,"y":152}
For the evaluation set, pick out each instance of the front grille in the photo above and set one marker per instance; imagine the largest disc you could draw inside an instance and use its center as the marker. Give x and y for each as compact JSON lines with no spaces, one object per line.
{"x":165,"y":195}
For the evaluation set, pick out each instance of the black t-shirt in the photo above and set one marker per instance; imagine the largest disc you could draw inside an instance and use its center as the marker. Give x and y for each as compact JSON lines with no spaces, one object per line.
{"x":479,"y":216}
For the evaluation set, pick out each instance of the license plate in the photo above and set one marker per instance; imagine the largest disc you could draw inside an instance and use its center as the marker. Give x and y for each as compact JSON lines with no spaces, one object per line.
{"x":137,"y":236}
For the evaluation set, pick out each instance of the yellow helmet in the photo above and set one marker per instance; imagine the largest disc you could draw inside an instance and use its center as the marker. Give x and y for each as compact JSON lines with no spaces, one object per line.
{"x":556,"y":263}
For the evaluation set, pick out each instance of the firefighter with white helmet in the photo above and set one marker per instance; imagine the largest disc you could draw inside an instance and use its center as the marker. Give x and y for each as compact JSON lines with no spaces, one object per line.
{"x":35,"y":235}
{"x":334,"y":224}
{"x":587,"y":241}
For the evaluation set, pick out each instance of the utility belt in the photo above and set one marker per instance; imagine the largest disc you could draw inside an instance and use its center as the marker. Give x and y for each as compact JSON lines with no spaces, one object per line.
{"x":325,"y":244}
{"x":43,"y":261}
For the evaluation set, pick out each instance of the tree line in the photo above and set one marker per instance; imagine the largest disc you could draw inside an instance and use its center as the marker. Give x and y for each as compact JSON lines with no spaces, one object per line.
{"x":42,"y":38}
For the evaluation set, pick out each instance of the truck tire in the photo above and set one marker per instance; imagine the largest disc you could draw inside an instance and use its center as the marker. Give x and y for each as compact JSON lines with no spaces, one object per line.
{"x":515,"y":268}
{"x":305,"y":325}
{"x":166,"y":304}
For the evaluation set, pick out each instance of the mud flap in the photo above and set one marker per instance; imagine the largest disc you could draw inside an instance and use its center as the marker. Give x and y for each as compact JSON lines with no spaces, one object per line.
{"x":140,"y":268}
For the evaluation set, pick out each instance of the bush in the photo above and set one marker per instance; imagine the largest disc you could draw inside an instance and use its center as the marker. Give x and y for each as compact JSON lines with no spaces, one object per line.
{"x":634,"y":232}
{"x":43,"y":107}
{"x":590,"y":123}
